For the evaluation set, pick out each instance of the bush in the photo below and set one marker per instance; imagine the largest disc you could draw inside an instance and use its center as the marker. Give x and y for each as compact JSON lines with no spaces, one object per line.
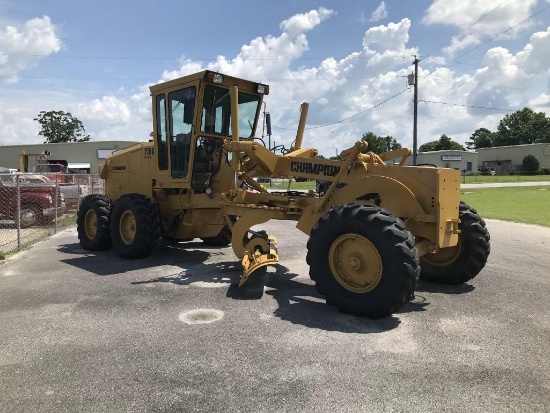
{"x":531,"y":164}
{"x":545,"y":171}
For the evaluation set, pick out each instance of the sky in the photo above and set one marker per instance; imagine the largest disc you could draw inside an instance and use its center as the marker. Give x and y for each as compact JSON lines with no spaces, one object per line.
{"x":478,"y":61}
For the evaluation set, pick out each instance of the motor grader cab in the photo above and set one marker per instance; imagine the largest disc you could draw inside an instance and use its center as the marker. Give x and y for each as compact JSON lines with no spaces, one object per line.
{"x":369,"y":241}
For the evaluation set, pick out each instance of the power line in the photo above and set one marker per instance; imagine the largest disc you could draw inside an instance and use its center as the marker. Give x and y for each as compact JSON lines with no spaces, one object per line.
{"x":352,"y":116}
{"x":75,"y":78}
{"x":501,"y":33}
{"x":470,"y":26}
{"x":208,"y":59}
{"x":495,"y":67}
{"x":468,"y":106}
{"x":455,"y":60}
{"x":149,"y":79}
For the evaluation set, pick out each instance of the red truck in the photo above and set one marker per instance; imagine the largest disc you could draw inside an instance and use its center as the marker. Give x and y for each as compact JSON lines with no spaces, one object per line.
{"x":39,"y":203}
{"x":56,"y":170}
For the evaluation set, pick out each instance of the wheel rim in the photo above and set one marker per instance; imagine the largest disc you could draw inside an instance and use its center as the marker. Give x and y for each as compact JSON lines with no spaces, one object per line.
{"x":444,"y":256}
{"x":355,"y":263}
{"x":127,"y":227}
{"x":27,"y":217}
{"x":90,"y":224}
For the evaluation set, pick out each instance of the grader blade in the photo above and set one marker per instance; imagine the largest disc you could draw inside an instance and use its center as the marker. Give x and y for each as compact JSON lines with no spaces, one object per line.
{"x":257,"y":259}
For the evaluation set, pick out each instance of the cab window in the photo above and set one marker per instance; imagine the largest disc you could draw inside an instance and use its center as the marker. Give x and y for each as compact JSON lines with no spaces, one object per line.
{"x":180,"y":130}
{"x":162,"y":142}
{"x":216,"y":112}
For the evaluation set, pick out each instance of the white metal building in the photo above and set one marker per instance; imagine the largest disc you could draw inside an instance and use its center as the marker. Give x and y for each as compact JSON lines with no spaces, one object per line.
{"x":507,"y":159}
{"x":81,"y":157}
{"x":463,"y":161}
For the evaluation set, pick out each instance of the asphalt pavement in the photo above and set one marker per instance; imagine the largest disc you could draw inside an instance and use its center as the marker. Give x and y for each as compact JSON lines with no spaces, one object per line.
{"x":90,"y":332}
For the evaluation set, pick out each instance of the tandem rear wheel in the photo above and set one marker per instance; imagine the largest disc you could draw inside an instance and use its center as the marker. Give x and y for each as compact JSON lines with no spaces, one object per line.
{"x":131,"y":225}
{"x":134,"y":227}
{"x":93,"y":223}
{"x":463,"y":262}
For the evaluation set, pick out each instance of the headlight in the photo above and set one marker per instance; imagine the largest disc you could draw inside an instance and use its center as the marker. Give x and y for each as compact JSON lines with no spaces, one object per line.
{"x":263,"y":89}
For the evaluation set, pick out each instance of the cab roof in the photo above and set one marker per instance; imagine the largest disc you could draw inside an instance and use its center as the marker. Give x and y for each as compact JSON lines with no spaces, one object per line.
{"x":244,"y":85}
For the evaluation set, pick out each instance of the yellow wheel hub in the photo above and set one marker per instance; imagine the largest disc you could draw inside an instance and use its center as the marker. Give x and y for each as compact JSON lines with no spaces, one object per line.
{"x":355,"y":263}
{"x":90,"y":224}
{"x":127,"y":227}
{"x":444,"y":256}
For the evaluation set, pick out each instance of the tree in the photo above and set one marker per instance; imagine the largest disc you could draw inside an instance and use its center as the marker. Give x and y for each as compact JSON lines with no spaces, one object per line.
{"x":522,"y":127}
{"x":481,"y":138}
{"x":59,"y":126}
{"x":379,"y":144}
{"x":531,"y":164}
{"x":444,"y":143}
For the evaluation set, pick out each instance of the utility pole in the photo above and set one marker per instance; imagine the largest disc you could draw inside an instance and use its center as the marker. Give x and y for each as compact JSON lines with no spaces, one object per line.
{"x":415,"y":120}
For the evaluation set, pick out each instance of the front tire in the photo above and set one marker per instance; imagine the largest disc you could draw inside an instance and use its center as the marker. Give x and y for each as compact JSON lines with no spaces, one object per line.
{"x":456,"y":265}
{"x":134,"y":227}
{"x":93,"y":223}
{"x":29,"y":215}
{"x":363,"y":260}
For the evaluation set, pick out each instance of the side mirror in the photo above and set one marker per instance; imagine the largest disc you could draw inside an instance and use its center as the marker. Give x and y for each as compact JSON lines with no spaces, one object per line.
{"x":268,"y":123}
{"x":189,"y":111}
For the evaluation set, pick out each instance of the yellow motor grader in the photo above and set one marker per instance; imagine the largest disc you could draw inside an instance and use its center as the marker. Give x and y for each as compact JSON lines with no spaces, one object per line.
{"x":378,"y":227}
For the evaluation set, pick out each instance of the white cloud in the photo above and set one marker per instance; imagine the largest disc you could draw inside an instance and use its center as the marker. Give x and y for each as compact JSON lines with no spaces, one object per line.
{"x":499,"y":17}
{"x":535,"y":57}
{"x":336,"y":89}
{"x":392,"y":37}
{"x":380,"y":13}
{"x":301,"y":23}
{"x":108,"y":109}
{"x":23,"y":47}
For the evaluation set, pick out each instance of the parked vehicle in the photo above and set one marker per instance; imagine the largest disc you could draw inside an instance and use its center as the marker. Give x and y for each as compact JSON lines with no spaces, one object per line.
{"x":71,"y":192}
{"x":321,"y":186}
{"x":40,"y":203}
{"x":56,"y":170}
{"x":483,"y":170}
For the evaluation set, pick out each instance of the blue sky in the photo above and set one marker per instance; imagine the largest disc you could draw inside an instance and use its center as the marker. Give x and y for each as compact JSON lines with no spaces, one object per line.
{"x":479,"y":61}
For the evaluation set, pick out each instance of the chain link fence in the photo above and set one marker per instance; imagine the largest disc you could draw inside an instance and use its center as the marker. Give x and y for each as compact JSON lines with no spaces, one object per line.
{"x":33,"y":207}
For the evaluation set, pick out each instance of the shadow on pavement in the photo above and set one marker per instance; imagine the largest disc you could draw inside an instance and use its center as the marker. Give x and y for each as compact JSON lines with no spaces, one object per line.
{"x":429,"y":287}
{"x":298,"y":301}
{"x":106,"y":263}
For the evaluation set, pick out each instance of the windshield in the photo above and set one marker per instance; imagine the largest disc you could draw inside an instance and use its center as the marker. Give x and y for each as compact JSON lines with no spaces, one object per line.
{"x":216,"y":112}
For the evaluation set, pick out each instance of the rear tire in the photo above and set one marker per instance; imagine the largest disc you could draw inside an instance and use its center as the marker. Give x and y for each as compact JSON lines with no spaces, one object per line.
{"x":459,"y":264}
{"x":220,"y":240}
{"x":93,"y":223}
{"x":363,"y":260}
{"x":134,"y":227}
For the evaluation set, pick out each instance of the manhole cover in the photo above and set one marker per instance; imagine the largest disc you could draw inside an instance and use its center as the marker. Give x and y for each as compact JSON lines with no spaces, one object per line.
{"x":201,"y":316}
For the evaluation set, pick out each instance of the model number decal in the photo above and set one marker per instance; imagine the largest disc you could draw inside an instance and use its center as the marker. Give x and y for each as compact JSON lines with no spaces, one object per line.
{"x":119,"y":168}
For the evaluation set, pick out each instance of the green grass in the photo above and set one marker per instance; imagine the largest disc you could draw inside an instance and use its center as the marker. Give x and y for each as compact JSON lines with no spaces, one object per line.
{"x":282,"y":185}
{"x":526,"y":204}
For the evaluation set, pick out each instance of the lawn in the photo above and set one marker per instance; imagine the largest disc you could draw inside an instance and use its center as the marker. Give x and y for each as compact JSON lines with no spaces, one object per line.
{"x":526,"y":204}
